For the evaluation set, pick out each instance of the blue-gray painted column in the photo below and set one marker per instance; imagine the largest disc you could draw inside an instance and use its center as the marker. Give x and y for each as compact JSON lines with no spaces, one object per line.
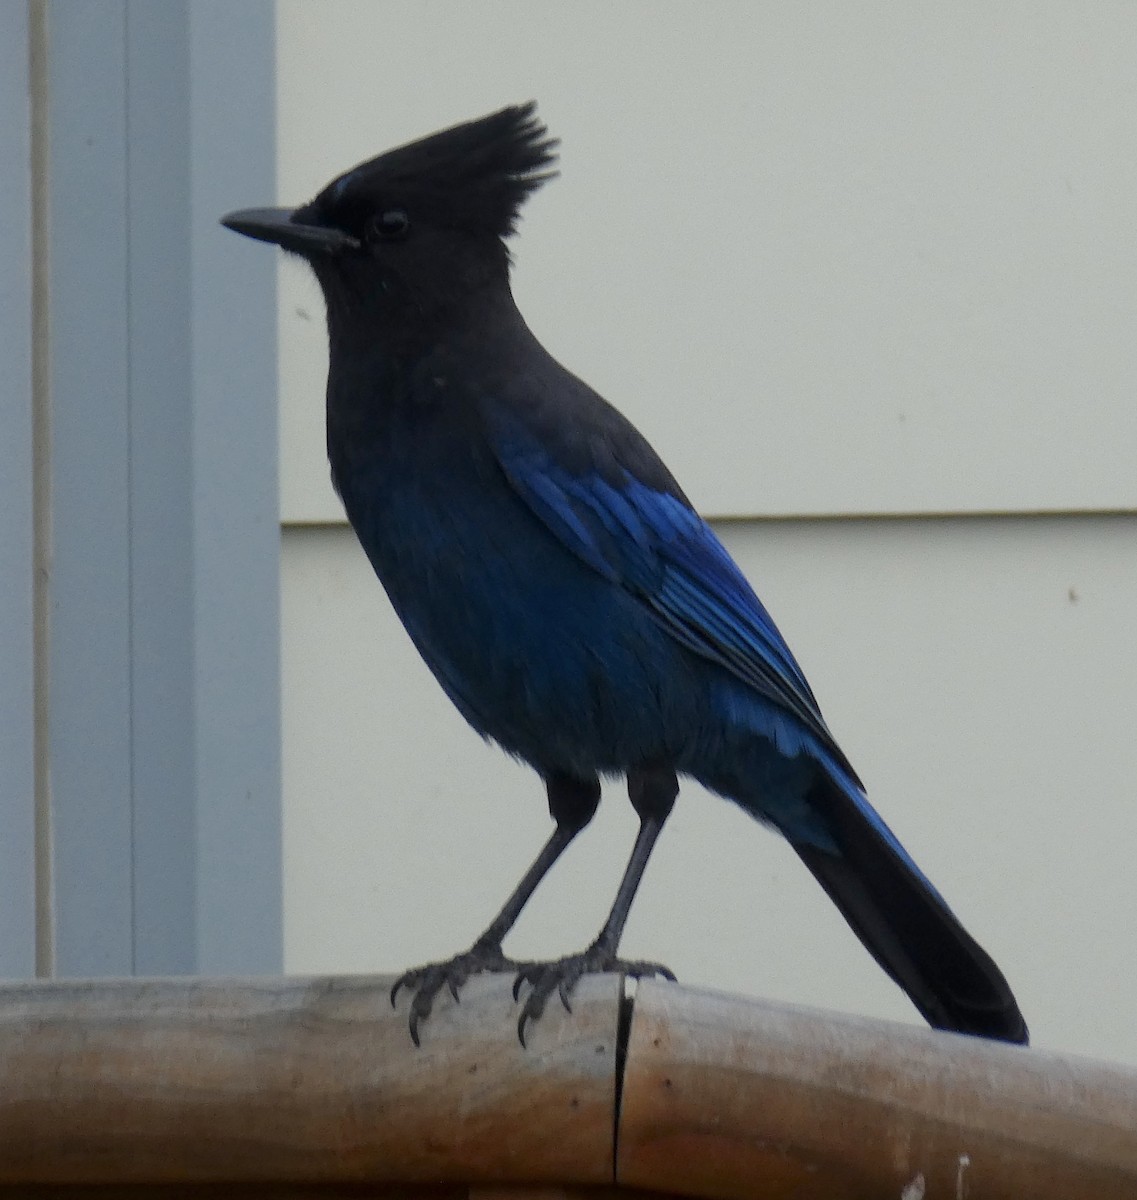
{"x":89,"y":612}
{"x":164,"y":639}
{"x":17,"y":542}
{"x":236,"y":500}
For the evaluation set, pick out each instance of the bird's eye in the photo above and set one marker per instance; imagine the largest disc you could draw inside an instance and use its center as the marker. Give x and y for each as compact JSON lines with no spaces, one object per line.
{"x":388,"y":225}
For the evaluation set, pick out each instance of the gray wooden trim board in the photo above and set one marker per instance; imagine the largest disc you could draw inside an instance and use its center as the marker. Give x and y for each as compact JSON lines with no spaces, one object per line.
{"x":236,"y":493}
{"x":164,"y":590}
{"x":17,"y":540}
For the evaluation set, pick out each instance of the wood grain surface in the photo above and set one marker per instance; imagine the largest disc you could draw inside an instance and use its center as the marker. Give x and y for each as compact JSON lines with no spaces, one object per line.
{"x":194,"y":1080}
{"x":302,"y":1089}
{"x":729,"y":1097}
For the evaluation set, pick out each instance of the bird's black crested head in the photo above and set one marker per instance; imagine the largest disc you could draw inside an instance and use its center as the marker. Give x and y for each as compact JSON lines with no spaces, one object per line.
{"x":471,"y":178}
{"x":410,"y":238}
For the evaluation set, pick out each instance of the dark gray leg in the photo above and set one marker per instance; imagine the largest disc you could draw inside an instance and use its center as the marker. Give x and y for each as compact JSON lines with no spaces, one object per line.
{"x":572,"y":803}
{"x":652,"y":791}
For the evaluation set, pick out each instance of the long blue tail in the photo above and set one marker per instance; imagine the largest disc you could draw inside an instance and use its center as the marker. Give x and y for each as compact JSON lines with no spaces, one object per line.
{"x":904,"y":923}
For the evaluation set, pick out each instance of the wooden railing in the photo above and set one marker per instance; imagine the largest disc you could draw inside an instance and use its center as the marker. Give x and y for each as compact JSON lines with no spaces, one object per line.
{"x":312,"y":1088}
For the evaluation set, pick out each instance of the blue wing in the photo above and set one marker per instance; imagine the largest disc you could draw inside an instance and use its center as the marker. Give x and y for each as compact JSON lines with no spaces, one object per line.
{"x":649,"y":540}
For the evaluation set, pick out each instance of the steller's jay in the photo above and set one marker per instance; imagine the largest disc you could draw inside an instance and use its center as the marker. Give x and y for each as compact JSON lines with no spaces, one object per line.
{"x":556,"y":580}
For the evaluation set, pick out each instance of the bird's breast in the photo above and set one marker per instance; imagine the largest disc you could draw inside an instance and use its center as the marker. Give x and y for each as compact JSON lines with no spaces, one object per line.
{"x":538,"y":651}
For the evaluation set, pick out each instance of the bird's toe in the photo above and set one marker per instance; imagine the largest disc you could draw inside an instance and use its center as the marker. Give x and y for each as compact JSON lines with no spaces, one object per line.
{"x":563,"y":974}
{"x":426,"y":982}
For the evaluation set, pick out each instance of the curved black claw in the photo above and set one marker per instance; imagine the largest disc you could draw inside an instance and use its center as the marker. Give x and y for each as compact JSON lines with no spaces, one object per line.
{"x":563,"y":974}
{"x":427,"y":981}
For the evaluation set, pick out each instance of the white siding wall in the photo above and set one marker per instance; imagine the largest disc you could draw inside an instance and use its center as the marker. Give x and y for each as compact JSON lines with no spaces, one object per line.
{"x":872,"y":257}
{"x":834,"y":259}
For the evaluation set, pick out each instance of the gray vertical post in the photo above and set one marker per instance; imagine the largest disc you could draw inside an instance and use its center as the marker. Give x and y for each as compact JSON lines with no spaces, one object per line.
{"x":164,"y":722}
{"x":17,"y":678}
{"x":89,"y":613}
{"x":236,"y":502}
{"x":162,"y":576}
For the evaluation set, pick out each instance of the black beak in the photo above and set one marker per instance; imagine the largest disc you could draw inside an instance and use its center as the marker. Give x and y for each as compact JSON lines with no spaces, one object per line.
{"x":279,"y":226}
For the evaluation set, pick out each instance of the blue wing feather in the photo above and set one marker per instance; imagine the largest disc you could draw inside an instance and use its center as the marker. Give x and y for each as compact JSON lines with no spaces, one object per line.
{"x":655,"y":545}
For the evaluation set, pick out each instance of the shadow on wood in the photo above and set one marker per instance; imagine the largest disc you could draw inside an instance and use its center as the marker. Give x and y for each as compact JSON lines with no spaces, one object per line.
{"x":311,"y":1088}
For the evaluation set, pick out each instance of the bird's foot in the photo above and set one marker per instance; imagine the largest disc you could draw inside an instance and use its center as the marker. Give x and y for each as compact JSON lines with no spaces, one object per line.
{"x":563,"y":974}
{"x":427,"y":981}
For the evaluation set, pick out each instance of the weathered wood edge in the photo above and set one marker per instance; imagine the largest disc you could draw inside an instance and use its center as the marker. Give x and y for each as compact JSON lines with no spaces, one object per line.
{"x":197,"y":1080}
{"x":311,"y":1087}
{"x":726,"y":1097}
